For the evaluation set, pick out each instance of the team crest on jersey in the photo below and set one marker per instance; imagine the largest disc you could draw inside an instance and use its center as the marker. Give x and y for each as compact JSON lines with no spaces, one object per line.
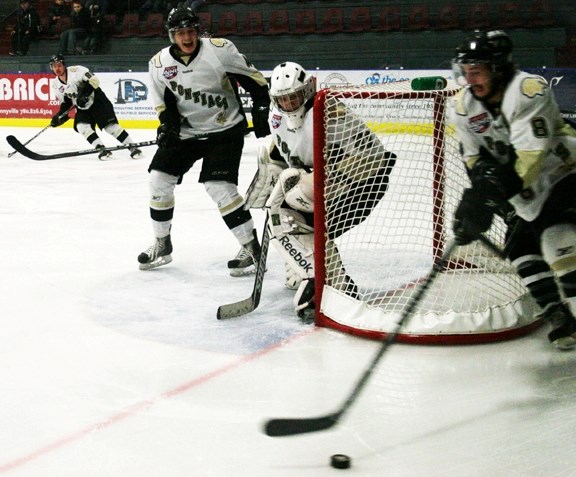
{"x":533,"y":86}
{"x":170,"y":72}
{"x":276,"y":120}
{"x":479,"y":124}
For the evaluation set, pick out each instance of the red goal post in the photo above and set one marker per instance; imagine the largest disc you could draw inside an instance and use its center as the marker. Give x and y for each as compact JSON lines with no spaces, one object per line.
{"x":373,"y":248}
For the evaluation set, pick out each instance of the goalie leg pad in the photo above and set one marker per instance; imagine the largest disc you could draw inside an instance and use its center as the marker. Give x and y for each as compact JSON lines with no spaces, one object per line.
{"x":264,"y":180}
{"x":294,"y":239}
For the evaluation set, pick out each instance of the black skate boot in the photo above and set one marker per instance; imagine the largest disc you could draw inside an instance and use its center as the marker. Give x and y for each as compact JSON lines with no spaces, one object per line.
{"x":246,"y":261}
{"x":158,"y":254}
{"x":104,"y":155}
{"x":135,"y":153}
{"x":563,"y":334}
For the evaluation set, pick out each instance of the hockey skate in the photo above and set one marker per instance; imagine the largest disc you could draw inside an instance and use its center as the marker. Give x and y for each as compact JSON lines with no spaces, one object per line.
{"x":563,"y":334}
{"x":158,"y":254}
{"x":246,"y":260}
{"x":135,"y":153}
{"x":104,"y":155}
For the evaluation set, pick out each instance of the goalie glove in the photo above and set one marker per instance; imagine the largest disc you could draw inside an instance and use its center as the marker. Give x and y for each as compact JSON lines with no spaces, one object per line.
{"x":298,"y":189}
{"x":264,"y":180}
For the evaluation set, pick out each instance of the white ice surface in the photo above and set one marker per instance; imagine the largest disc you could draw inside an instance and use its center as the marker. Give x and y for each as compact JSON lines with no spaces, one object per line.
{"x":107,"y":371}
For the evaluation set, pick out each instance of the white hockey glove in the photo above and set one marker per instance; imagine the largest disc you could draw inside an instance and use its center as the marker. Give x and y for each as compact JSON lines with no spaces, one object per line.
{"x":298,"y":189}
{"x":264,"y":180}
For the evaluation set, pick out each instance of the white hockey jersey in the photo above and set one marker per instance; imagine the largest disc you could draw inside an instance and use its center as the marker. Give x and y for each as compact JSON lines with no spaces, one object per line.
{"x":295,"y":146}
{"x":529,"y":124}
{"x":204,"y":95}
{"x":75,"y":76}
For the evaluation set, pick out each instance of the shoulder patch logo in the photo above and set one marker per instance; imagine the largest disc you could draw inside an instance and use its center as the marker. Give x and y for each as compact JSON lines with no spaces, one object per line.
{"x":479,"y":124}
{"x":170,"y":72}
{"x":218,"y":42}
{"x":533,"y":86}
{"x":276,"y":121}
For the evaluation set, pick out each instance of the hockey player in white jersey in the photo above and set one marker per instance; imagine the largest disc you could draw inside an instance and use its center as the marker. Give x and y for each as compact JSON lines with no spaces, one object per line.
{"x":78,"y":86}
{"x":193,"y":85}
{"x":520,"y":156}
{"x":284,"y":181}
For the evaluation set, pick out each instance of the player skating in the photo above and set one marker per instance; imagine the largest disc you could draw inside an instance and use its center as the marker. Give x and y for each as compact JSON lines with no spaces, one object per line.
{"x":193,"y":84}
{"x":78,"y":86}
{"x":284,"y":181}
{"x":520,"y":155}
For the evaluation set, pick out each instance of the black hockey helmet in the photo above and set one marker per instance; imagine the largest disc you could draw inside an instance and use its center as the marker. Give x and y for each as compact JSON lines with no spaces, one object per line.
{"x":179,"y":18}
{"x":57,"y":58}
{"x":493,"y":48}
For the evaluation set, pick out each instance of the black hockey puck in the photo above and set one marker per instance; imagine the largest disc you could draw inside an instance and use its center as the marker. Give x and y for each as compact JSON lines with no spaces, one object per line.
{"x":340,"y":461}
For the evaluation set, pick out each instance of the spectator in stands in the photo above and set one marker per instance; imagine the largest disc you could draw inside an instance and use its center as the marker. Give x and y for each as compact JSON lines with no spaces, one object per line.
{"x":80,"y":27}
{"x":102,"y":4}
{"x":57,"y":10}
{"x":27,"y":27}
{"x":96,"y":32}
{"x":193,"y":4}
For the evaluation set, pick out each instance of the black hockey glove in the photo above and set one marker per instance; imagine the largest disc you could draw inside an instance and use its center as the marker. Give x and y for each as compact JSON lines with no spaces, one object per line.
{"x":84,"y":92}
{"x":59,"y":119}
{"x":260,"y":121}
{"x":167,"y":136}
{"x":497,"y":182}
{"x":473,"y":217}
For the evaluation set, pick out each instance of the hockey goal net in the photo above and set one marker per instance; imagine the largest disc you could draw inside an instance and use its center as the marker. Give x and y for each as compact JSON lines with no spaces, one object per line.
{"x":373,"y":250}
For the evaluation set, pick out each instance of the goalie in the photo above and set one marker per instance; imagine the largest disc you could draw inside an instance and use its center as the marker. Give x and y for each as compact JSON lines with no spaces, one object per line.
{"x":284,"y":181}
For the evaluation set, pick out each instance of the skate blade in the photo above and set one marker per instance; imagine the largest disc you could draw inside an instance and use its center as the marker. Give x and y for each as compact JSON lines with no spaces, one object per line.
{"x":156,"y":263}
{"x":566,"y":342}
{"x":243,"y":272}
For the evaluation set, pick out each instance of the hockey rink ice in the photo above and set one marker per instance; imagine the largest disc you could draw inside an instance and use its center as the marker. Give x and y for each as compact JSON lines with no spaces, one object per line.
{"x":108,"y":371}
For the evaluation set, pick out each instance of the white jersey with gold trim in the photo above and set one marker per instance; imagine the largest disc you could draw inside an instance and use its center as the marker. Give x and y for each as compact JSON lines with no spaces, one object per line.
{"x":296,"y":146}
{"x":75,"y":75}
{"x":205,"y":97}
{"x":528,"y":128}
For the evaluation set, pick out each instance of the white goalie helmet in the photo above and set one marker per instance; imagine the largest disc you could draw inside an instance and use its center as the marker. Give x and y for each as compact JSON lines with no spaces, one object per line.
{"x":290,"y":88}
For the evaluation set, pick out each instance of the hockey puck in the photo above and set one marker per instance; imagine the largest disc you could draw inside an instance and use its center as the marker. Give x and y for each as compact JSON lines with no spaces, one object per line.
{"x":340,"y":461}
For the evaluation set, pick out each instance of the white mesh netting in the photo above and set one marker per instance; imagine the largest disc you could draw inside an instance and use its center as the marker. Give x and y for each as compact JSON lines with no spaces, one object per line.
{"x":386,"y":218}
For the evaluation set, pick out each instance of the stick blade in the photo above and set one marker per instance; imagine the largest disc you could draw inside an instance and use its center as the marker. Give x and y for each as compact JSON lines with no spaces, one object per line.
{"x":291,"y":427}
{"x":232,"y":310}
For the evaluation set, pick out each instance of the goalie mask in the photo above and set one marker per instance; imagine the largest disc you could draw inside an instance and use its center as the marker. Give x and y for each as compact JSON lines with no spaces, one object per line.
{"x":291,"y":87}
{"x":179,"y":19}
{"x":491,"y":48}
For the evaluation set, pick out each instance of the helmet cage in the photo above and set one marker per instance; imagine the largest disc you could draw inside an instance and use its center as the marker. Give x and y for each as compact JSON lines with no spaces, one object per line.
{"x":292,"y":87}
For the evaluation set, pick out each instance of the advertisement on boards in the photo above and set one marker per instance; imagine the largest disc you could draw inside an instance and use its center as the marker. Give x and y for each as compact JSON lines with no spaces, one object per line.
{"x":28,"y":99}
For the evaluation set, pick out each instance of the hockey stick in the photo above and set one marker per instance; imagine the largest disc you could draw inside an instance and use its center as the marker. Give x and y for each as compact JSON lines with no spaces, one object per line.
{"x":242,"y":307}
{"x":292,"y":426}
{"x":49,"y":126}
{"x":22,"y":149}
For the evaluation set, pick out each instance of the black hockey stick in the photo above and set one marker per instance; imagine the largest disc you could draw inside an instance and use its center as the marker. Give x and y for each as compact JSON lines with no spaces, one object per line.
{"x":292,"y":426}
{"x":22,"y":149}
{"x":242,"y":307}
{"x":38,"y":134}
